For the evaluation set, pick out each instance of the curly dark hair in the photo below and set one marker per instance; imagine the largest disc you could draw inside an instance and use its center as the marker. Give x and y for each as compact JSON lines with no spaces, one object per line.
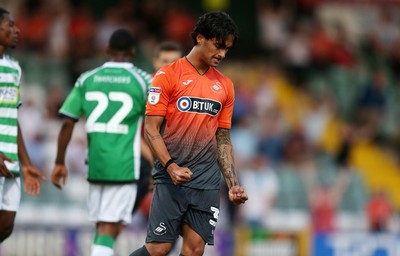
{"x":217,"y":25}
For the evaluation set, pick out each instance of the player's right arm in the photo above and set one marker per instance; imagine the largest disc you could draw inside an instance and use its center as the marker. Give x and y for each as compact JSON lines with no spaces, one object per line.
{"x":60,"y":172}
{"x":152,"y":125}
{"x":156,"y":108}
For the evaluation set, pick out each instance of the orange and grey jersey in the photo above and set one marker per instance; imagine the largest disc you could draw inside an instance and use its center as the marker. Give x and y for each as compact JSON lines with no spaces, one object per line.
{"x":194,"y":106}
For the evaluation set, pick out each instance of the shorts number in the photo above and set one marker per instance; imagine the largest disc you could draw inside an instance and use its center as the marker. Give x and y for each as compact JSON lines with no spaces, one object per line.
{"x":114,"y":124}
{"x":215,"y":211}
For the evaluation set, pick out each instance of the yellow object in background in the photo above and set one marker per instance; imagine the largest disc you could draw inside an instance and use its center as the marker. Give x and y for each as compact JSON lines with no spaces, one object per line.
{"x":216,"y":5}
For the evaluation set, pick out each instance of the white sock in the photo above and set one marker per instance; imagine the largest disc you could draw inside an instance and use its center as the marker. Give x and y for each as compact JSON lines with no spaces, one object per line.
{"x":101,"y":250}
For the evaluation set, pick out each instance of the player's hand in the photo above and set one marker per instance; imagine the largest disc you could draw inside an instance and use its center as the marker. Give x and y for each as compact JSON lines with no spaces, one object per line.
{"x":4,"y":172}
{"x":32,"y":177}
{"x":237,"y":195}
{"x":179,"y":175}
{"x":59,"y":176}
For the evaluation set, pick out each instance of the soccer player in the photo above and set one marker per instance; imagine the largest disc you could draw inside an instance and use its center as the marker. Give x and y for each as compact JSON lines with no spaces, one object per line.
{"x":112,"y":98}
{"x":13,"y":152}
{"x":165,"y":53}
{"x":187,"y":125}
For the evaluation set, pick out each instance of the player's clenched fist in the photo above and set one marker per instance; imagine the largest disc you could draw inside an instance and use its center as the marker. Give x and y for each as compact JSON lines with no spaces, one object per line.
{"x":237,"y":195}
{"x":179,"y":175}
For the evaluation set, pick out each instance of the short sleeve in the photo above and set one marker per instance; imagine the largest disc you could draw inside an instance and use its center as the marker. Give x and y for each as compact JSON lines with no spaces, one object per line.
{"x":160,"y":92}
{"x":72,"y":106}
{"x":225,"y":118}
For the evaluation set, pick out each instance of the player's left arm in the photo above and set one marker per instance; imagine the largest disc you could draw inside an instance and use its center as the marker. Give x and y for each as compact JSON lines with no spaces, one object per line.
{"x":226,"y":164}
{"x":31,"y":174}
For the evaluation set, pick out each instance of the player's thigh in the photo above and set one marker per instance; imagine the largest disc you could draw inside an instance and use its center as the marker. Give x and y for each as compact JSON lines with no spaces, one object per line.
{"x":168,"y":207}
{"x":111,"y":203}
{"x":193,"y":243}
{"x":203,"y":214}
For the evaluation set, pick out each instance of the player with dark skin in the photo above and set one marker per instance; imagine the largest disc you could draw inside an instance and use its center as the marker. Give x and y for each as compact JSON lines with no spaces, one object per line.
{"x":113,"y":168}
{"x":9,"y":34}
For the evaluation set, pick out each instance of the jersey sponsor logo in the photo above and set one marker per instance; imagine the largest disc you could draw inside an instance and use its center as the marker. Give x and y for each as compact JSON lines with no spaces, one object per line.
{"x":160,"y":230}
{"x":198,"y":105}
{"x":186,"y":83}
{"x":154,"y":95}
{"x":217,"y":87}
{"x":8,"y":78}
{"x":8,"y":94}
{"x":159,"y":73}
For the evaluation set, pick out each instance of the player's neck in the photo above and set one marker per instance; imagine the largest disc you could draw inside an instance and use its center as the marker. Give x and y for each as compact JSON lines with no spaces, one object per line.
{"x":2,"y":51}
{"x":197,"y":64}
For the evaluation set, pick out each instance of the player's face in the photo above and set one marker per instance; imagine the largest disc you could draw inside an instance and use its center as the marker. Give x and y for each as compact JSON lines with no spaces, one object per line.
{"x":165,"y":57}
{"x":215,"y":51}
{"x":9,"y":32}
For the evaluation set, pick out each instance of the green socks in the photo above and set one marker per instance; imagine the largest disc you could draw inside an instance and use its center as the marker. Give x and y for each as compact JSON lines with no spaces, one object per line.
{"x":104,"y":240}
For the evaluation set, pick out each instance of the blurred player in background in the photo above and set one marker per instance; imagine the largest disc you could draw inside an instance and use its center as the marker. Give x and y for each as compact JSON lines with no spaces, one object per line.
{"x":187,"y":125}
{"x":164,"y":53}
{"x":13,"y":152}
{"x":112,"y":98}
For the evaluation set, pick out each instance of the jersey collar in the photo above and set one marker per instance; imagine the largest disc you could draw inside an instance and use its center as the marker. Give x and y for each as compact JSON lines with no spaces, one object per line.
{"x":118,"y":64}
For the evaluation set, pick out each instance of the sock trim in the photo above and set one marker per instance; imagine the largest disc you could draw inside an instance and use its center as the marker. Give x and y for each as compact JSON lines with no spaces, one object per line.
{"x":104,"y":240}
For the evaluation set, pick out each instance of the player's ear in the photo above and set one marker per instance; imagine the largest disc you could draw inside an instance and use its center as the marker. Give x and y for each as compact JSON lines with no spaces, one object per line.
{"x":200,"y":38}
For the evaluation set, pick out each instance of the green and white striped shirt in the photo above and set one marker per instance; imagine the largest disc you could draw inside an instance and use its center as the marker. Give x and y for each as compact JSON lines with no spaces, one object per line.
{"x":10,"y":100}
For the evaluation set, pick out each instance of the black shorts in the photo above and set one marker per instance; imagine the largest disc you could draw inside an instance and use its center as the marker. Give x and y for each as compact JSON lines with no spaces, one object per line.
{"x":172,"y":205}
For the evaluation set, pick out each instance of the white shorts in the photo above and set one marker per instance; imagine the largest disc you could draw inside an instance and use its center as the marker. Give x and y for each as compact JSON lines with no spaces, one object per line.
{"x":111,"y":203}
{"x":10,"y":193}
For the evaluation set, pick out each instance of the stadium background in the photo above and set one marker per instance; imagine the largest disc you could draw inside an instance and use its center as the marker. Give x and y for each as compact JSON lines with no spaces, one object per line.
{"x":315,"y":131}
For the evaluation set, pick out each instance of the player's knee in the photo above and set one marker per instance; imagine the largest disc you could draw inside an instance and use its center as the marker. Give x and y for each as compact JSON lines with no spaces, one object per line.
{"x":159,"y":249}
{"x":195,"y":251}
{"x":142,"y":251}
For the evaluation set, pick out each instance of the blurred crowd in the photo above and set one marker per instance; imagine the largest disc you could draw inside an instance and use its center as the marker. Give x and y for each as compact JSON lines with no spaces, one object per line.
{"x":317,"y":135}
{"x":316,"y":122}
